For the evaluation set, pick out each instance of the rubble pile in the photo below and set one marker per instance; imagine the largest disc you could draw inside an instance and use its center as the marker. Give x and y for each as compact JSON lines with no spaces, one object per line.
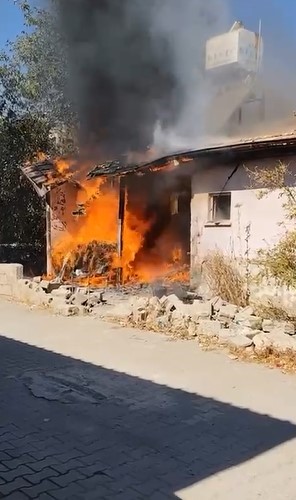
{"x":66,"y":300}
{"x":182,"y":314}
{"x":227,"y":323}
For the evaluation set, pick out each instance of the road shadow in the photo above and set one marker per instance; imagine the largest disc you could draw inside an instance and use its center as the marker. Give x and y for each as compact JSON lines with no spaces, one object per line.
{"x":75,"y":430}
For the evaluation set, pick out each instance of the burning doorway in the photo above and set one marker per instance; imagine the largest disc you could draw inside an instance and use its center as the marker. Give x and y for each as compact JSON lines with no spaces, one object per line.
{"x":157,"y":207}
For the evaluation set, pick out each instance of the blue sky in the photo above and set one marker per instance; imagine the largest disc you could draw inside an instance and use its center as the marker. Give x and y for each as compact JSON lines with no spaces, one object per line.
{"x":11,"y":21}
{"x":280,"y":14}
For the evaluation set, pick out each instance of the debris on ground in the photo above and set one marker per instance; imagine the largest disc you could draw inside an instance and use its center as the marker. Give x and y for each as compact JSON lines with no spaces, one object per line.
{"x":175,"y":311}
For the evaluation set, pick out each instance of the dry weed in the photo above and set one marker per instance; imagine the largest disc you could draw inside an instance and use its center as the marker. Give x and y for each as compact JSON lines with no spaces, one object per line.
{"x":274,"y":310}
{"x":224,"y":278}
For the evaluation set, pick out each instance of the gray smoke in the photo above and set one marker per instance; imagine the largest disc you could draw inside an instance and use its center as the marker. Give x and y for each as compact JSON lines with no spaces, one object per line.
{"x":136,"y":67}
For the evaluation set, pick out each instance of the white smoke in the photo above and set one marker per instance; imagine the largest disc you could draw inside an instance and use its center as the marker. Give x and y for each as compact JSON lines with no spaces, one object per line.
{"x":187,"y":27}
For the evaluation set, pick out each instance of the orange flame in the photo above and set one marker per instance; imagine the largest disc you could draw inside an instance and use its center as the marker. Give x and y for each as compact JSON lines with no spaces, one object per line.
{"x":95,"y":219}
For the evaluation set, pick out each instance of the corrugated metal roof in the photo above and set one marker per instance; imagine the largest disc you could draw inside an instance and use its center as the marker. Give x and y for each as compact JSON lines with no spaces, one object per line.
{"x":261,"y":146}
{"x":43,"y":175}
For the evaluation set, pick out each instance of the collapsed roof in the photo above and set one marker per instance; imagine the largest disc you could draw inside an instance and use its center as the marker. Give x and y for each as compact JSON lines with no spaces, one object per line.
{"x":45,"y":176}
{"x":267,"y":146}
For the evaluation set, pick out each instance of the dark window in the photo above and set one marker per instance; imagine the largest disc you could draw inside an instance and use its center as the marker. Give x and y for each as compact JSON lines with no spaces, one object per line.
{"x":219,"y":207}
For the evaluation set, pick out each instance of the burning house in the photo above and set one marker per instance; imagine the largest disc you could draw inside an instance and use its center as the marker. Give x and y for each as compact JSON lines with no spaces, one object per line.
{"x":123,"y":222}
{"x":157,"y":220}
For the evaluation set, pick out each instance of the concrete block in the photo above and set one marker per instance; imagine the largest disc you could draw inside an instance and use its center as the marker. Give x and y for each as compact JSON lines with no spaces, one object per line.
{"x":240,"y":341}
{"x":245,"y":320}
{"x":59,"y":307}
{"x":225,"y":334}
{"x":227,"y":312}
{"x":172,"y":303}
{"x":49,"y":286}
{"x":179,"y":320}
{"x":209,"y":328}
{"x":201,"y":310}
{"x":192,"y":330}
{"x":277,"y":340}
{"x":61,"y":292}
{"x":78,"y":299}
{"x":37,"y":279}
{"x":217,"y":303}
{"x":9,"y":276}
{"x":269,"y":324}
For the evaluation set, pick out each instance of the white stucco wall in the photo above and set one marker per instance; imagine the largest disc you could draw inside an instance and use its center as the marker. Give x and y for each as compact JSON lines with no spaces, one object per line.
{"x":263,"y":215}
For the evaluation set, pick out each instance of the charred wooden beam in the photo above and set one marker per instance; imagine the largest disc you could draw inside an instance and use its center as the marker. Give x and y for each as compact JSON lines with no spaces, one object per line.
{"x":121,"y":214}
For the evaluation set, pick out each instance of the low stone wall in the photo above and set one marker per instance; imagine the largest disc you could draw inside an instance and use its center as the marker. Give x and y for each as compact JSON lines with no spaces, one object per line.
{"x":10,"y":274}
{"x":188,"y":316}
{"x":61,"y":299}
{"x":66,"y":300}
{"x":229,"y":324}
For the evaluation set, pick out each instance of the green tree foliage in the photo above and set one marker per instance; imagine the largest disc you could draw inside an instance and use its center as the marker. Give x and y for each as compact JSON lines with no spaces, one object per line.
{"x":32,"y":103}
{"x":279,"y":260}
{"x":21,"y":209}
{"x":33,"y":72}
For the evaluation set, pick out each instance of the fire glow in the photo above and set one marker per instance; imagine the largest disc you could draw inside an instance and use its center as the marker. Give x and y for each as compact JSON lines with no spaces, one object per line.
{"x":88,"y":250}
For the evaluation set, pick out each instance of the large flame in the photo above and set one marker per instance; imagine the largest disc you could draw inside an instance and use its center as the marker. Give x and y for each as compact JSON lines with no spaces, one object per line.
{"x":95,"y":219}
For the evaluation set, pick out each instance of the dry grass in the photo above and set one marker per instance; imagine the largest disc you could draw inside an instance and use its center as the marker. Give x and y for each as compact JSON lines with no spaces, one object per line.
{"x":284,"y":360}
{"x":270,"y":357}
{"x":274,"y":310}
{"x":225,"y":279}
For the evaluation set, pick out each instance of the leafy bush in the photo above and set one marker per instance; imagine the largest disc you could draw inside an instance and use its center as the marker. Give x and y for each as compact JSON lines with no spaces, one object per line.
{"x":279,"y":261}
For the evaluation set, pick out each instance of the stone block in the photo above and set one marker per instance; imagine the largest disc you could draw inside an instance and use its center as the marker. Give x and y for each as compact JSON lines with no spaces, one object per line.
{"x":49,"y":286}
{"x":154,"y":302}
{"x":201,"y":310}
{"x":209,"y":327}
{"x":139,"y":303}
{"x":78,"y":299}
{"x":14,"y":272}
{"x":192,"y":329}
{"x":140,"y":315}
{"x":268,"y":325}
{"x":227,"y":312}
{"x":179,"y":321}
{"x":247,"y":332}
{"x":245,"y":320}
{"x":62,"y":293}
{"x":217,"y":303}
{"x":62,"y":309}
{"x":9,"y":276}
{"x":240,"y":341}
{"x":162,"y":322}
{"x":24,"y":282}
{"x":225,"y":334}
{"x":248,"y":311}
{"x":287,"y":327}
{"x":172,"y":303}
{"x":277,"y":340}
{"x":37,"y":279}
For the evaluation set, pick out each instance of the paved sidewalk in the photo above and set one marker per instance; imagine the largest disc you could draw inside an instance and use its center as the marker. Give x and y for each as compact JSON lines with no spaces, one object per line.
{"x":94,"y":411}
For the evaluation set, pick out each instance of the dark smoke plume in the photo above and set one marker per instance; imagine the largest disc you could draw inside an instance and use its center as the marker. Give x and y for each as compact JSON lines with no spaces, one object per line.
{"x":134,"y":64}
{"x":137,"y":70}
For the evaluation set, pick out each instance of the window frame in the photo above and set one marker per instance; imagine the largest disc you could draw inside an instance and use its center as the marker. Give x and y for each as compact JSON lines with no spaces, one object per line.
{"x":211,"y":209}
